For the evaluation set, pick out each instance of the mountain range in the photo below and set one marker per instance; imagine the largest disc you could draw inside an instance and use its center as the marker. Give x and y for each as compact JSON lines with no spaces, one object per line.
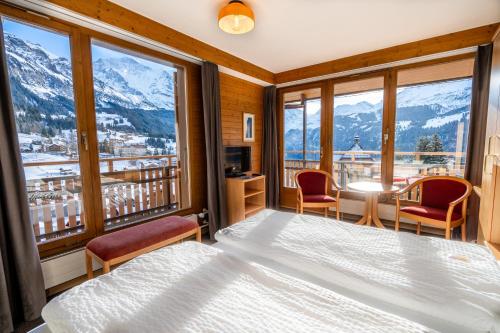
{"x":42,"y":88}
{"x":422,"y":110}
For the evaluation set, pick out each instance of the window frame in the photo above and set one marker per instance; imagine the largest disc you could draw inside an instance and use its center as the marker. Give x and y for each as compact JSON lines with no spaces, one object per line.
{"x":390,"y":74}
{"x":80,"y":45}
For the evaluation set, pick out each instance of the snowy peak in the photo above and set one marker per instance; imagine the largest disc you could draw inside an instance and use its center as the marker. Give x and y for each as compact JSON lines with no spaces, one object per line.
{"x":348,"y":109}
{"x":117,"y":81}
{"x":453,"y":95}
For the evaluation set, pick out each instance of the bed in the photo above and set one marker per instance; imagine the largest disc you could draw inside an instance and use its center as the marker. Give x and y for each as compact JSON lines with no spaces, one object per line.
{"x":193,"y":287}
{"x":450,"y":285}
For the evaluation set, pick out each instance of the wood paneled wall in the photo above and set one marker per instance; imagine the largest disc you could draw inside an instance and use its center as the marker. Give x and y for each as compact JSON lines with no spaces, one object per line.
{"x":237,"y":97}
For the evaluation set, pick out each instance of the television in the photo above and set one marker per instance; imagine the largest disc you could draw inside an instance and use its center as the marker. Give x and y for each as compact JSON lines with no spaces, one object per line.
{"x":237,"y":160}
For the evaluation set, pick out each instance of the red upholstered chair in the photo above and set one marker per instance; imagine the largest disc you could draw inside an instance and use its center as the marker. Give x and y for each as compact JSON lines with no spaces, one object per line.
{"x":312,"y":191}
{"x":442,"y":203}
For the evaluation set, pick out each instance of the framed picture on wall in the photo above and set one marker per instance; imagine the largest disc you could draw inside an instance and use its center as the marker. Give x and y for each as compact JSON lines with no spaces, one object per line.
{"x":248,"y":127}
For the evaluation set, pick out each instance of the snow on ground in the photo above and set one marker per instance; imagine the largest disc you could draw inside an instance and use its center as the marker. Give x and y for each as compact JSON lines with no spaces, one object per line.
{"x":440,"y":121}
{"x":403,"y":125}
{"x":110,"y":118}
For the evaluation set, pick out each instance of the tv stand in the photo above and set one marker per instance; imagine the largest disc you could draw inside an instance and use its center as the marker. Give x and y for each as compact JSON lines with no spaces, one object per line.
{"x":235,"y":175}
{"x":246,"y":196}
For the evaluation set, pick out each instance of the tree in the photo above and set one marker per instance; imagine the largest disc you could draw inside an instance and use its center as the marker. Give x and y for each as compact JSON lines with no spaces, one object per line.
{"x":423,"y":144}
{"x":437,"y":146}
{"x":431,"y":144}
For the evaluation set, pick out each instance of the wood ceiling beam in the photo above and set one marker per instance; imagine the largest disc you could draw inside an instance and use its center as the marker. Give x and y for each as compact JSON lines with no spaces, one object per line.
{"x":113,"y":14}
{"x":443,"y":43}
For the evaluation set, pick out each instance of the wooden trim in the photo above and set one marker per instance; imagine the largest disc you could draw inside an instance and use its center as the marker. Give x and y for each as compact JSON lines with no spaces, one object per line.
{"x":389,"y":126}
{"x":113,"y":14}
{"x":443,"y":43}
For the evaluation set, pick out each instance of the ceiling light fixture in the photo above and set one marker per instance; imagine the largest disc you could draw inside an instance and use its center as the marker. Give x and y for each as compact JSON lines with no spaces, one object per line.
{"x":236,"y":18}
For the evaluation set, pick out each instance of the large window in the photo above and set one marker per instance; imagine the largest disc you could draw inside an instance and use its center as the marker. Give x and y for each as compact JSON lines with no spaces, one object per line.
{"x":136,"y":116}
{"x":357,"y":130}
{"x":103,"y":136}
{"x":302,"y":132}
{"x":432,"y":121}
{"x":392,"y":126}
{"x":41,"y":81}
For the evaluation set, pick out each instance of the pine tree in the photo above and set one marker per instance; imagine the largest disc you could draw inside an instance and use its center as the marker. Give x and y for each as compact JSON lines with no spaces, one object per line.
{"x":437,"y":146}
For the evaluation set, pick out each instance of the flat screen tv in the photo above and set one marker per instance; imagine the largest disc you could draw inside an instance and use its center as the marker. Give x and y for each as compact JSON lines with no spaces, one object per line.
{"x":237,"y":160}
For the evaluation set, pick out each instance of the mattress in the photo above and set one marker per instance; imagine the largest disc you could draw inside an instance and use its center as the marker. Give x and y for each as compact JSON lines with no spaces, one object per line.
{"x":192,"y":287}
{"x":426,"y":279}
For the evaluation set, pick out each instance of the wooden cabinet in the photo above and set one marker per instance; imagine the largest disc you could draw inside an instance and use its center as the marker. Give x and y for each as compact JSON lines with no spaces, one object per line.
{"x":489,"y":211}
{"x":245,"y":197}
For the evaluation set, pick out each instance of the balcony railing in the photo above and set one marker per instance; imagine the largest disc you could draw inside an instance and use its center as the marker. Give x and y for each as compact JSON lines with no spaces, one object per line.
{"x":407,"y":166}
{"x":56,"y":205}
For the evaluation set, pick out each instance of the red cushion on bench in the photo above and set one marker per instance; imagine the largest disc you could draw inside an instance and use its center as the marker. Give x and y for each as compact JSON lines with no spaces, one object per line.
{"x":122,"y":242}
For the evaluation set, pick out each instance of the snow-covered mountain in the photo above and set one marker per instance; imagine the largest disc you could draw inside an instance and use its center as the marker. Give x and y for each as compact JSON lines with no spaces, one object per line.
{"x":117,"y":81}
{"x":422,"y":110}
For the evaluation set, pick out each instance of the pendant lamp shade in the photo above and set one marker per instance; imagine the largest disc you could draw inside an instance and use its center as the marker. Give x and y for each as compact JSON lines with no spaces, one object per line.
{"x":236,"y":18}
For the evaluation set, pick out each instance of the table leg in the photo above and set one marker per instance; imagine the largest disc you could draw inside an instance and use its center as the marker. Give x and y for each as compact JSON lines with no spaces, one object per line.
{"x":364,"y":219}
{"x":371,"y":211}
{"x":376,"y":219}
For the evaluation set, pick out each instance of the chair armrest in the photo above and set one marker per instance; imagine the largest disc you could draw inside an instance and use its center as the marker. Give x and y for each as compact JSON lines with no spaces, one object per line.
{"x":406,"y":189}
{"x":459,"y":200}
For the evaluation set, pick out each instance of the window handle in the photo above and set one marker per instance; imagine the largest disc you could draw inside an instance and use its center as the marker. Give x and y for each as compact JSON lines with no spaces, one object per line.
{"x":386,"y":137}
{"x":84,"y":140}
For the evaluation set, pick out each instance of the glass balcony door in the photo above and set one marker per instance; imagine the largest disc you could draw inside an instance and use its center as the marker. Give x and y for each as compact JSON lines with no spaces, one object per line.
{"x":51,"y":129}
{"x":358,"y":107}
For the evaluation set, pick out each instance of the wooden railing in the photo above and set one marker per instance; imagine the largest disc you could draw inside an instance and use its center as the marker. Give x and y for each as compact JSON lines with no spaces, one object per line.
{"x":407,"y":165}
{"x":56,"y":205}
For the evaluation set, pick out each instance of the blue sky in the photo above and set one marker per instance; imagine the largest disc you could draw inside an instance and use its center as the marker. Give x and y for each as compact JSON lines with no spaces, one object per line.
{"x":58,"y":44}
{"x":55,"y":43}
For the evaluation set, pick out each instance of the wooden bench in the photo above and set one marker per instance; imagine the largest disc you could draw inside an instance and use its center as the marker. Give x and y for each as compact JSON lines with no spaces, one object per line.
{"x":123,"y":245}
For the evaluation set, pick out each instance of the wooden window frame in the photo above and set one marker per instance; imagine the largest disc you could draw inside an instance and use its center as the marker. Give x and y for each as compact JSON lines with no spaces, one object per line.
{"x":81,"y":59}
{"x":390,"y":74}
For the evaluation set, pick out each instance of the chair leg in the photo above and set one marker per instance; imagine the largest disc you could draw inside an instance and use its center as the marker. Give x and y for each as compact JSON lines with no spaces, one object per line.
{"x":198,"y":235}
{"x":419,"y":227}
{"x":337,"y":211}
{"x":326,"y":211}
{"x":463,"y":230}
{"x":90,"y":270}
{"x":448,"y":232}
{"x":396,"y":225}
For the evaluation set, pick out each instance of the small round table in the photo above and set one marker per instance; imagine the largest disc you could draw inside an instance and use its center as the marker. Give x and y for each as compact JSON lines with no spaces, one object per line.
{"x":372,"y":191}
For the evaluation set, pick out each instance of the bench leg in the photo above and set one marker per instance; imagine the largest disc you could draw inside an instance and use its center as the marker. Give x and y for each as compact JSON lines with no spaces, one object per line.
{"x":90,"y":270}
{"x":105,"y":267}
{"x":198,"y":235}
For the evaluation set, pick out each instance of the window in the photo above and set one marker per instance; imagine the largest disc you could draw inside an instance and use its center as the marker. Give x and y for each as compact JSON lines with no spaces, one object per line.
{"x":41,"y":81}
{"x":391,"y":126}
{"x":137,"y":115}
{"x":117,"y":113}
{"x":432,"y":120}
{"x":302,"y":133}
{"x":357,"y":130}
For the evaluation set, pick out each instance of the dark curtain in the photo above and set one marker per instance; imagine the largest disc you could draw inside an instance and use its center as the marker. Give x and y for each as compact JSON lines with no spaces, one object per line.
{"x":477,"y":131}
{"x":270,"y":148}
{"x":216,"y":187}
{"x":22,"y":291}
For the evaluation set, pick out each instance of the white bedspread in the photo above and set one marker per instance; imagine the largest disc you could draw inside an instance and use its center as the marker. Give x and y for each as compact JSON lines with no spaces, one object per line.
{"x":451,"y":281}
{"x":197,"y":288}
